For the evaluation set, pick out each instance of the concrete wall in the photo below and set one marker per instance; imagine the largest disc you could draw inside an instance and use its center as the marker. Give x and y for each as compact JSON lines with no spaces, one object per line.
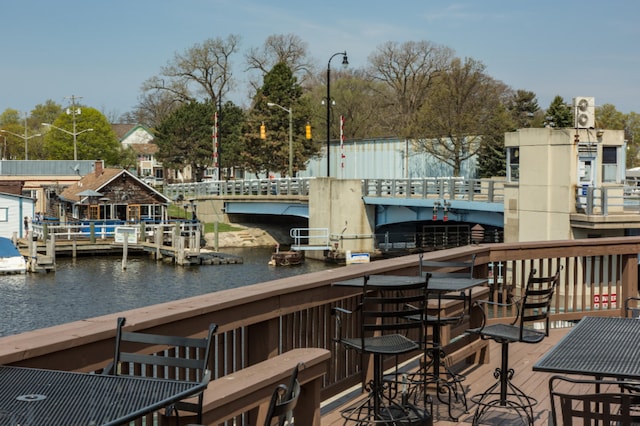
{"x":539,"y":205}
{"x":337,"y":205}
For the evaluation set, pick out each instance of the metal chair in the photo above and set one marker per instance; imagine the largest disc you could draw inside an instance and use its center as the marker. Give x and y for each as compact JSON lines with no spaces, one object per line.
{"x":590,"y":402}
{"x":532,"y":308}
{"x":632,"y":307}
{"x":173,"y":358}
{"x":446,"y":381}
{"x":284,"y":401}
{"x":385,"y":330}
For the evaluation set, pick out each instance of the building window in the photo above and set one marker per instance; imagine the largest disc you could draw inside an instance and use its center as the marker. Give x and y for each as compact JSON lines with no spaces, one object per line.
{"x":4,"y":214}
{"x":609,"y":164}
{"x":513,"y":164}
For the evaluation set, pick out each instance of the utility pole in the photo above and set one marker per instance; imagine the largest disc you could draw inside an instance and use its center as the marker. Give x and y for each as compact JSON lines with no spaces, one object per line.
{"x":73,"y":113}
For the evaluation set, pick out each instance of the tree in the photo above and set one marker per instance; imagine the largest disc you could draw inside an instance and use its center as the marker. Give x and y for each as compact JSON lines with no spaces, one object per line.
{"x":559,"y":114}
{"x":286,"y":48}
{"x":21,"y":137}
{"x":184,"y":138}
{"x":231,"y":121}
{"x":154,"y":105}
{"x":353,"y":96}
{"x":202,"y":71}
{"x":407,"y":72}
{"x":462,"y":107}
{"x":101,"y":143}
{"x":492,"y":158}
{"x":272,"y":153}
{"x":523,"y":106}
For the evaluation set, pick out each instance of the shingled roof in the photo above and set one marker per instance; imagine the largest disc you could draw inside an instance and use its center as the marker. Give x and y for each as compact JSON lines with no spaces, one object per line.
{"x":93,"y":181}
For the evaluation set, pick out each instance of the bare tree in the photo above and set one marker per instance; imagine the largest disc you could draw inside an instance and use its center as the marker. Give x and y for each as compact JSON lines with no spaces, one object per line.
{"x":153,"y":107}
{"x":407,"y":71}
{"x":202,"y":71}
{"x":463,"y":106}
{"x":286,"y":48}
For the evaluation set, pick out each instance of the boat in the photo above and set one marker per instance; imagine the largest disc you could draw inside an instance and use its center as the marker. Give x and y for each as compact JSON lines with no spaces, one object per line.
{"x":11,"y":261}
{"x":286,"y":258}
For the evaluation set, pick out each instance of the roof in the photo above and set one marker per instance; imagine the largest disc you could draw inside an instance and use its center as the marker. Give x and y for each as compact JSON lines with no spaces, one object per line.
{"x":91,"y":181}
{"x":46,"y":167}
{"x":124,"y":131}
{"x":9,"y":195}
{"x":144,"y":148}
{"x":121,"y":130}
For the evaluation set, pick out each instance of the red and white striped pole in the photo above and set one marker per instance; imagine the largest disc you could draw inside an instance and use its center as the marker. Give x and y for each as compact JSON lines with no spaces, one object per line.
{"x":342,"y":156}
{"x":214,"y":137}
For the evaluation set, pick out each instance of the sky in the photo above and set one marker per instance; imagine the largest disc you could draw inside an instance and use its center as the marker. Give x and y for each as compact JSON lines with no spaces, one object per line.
{"x":102,"y":51}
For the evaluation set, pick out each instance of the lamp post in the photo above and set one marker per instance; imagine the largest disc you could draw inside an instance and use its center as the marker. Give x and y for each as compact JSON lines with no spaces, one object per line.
{"x":74,"y":134}
{"x":4,"y":152}
{"x":345,"y":62}
{"x":25,"y":137}
{"x":290,"y":111}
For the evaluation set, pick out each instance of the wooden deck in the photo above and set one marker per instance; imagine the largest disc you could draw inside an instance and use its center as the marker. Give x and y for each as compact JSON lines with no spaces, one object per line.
{"x":479,"y":377}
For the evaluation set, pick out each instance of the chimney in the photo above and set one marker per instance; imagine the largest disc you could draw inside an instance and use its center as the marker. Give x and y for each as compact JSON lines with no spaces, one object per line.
{"x":98,"y":167}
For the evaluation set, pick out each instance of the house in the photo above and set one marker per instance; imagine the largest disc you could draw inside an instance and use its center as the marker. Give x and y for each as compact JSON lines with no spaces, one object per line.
{"x":109,"y":193}
{"x":140,"y":140}
{"x":13,"y":209}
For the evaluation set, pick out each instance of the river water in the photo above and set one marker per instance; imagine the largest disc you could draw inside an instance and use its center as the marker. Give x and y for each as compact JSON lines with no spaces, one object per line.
{"x":88,"y":287}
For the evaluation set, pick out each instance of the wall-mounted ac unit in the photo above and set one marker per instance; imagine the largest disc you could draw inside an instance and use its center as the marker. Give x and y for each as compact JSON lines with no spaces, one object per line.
{"x":585,"y":112}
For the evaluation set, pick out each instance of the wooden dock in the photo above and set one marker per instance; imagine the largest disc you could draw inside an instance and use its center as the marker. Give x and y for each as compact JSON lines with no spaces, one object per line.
{"x":41,"y":256}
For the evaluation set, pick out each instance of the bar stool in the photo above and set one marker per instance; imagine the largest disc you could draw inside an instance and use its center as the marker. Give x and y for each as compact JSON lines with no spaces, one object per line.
{"x":533,"y":307}
{"x":385,"y":330}
{"x":436,"y":371}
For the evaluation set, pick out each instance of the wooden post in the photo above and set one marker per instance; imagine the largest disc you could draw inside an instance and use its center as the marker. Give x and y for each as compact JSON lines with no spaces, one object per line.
{"x":125,"y":250}
{"x":215,"y":230}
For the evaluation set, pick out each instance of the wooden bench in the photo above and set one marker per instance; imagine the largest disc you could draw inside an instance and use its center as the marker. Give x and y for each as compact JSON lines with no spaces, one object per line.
{"x":252,"y":387}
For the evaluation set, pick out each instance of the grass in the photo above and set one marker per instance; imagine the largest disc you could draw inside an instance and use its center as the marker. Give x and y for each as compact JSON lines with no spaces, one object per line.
{"x":178,"y":211}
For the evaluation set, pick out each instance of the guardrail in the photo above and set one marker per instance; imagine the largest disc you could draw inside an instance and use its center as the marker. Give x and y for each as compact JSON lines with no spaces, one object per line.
{"x":453,"y":188}
{"x":97,"y":229}
{"x":253,"y":187}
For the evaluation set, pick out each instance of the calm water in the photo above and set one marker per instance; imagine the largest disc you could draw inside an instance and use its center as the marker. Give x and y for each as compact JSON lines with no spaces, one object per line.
{"x":93,"y":286}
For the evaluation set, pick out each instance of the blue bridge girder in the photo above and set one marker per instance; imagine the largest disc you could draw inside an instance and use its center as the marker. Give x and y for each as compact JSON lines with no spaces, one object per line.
{"x":277,"y":208}
{"x":399,"y":210}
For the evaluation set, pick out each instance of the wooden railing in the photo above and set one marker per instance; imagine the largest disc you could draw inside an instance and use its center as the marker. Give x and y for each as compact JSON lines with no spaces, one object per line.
{"x":260,"y":321}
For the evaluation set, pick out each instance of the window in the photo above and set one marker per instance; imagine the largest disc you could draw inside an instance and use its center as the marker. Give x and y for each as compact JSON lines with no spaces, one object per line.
{"x":513,"y":164}
{"x":609,"y":164}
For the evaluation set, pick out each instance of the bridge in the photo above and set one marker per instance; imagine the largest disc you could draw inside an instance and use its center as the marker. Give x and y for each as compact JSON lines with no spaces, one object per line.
{"x":422,"y":213}
{"x":395,"y":200}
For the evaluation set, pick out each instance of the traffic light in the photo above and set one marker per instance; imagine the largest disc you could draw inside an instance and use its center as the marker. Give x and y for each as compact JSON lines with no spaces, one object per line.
{"x":263,"y":132}
{"x":307,"y":130}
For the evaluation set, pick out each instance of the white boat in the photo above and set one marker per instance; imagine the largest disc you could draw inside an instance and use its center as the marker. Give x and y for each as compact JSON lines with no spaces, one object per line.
{"x":11,"y":261}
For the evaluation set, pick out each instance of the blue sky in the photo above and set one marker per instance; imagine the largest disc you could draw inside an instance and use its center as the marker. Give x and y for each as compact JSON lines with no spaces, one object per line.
{"x":103,"y":51}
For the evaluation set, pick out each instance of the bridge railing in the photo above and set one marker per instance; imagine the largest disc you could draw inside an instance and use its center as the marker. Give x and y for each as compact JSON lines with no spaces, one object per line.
{"x":254,"y":187}
{"x":451,"y":188}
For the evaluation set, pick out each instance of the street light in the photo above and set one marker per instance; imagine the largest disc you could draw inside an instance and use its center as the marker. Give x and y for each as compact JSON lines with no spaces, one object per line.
{"x":25,"y":137}
{"x":74,"y":134}
{"x":345,"y":62}
{"x":290,"y":111}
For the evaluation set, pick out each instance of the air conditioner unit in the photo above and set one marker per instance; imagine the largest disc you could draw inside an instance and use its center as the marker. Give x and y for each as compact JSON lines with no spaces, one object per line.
{"x":585,"y":112}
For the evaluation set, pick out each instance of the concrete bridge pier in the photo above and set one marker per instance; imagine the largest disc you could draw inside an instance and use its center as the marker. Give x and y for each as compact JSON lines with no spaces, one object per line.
{"x":336,"y":204}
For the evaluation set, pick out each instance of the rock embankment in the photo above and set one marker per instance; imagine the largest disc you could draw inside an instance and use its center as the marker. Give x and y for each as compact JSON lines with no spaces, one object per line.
{"x":247,"y":237}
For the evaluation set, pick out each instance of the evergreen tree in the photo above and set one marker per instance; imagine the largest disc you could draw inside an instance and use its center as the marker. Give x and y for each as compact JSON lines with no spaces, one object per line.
{"x":559,"y":114}
{"x":184,"y":138}
{"x":271,"y":154}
